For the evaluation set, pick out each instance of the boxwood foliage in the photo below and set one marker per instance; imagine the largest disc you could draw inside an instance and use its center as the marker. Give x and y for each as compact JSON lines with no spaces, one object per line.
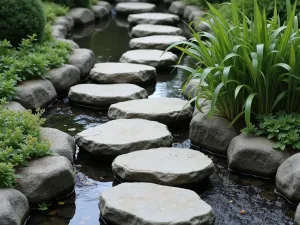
{"x":20,"y":19}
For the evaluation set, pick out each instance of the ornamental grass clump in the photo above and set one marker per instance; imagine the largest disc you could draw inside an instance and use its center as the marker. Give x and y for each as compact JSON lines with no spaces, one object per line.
{"x":246,"y":65}
{"x":20,"y":141}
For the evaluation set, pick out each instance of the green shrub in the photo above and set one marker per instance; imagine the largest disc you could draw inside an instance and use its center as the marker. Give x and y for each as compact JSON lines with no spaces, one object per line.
{"x":247,"y":66}
{"x":81,"y":3}
{"x":62,"y":2}
{"x":281,"y":127}
{"x":30,"y":60}
{"x":20,"y":19}
{"x":52,"y":11}
{"x":20,"y":141}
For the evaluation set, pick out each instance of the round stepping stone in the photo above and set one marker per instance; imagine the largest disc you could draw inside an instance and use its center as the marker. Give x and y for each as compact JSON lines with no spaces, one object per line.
{"x":163,"y":110}
{"x":143,"y":30}
{"x":122,"y":73}
{"x":103,"y":95}
{"x":153,"y":18}
{"x":155,"y":58}
{"x":134,"y":7}
{"x":123,"y":136}
{"x":146,"y":203}
{"x":167,"y":166}
{"x":160,"y":42}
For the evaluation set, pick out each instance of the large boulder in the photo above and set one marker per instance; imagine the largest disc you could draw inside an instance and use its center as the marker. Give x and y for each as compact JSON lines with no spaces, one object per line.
{"x":189,"y":9}
{"x":146,"y":203}
{"x":45,"y":179}
{"x":134,"y":7}
{"x":166,"y":166}
{"x":123,"y":136}
{"x":61,"y":143}
{"x":14,"y":207}
{"x":107,"y":5}
{"x":169,"y":111}
{"x":64,"y":77}
{"x":82,"y":16}
{"x":33,"y":94}
{"x":212,"y":134}
{"x":103,"y":95}
{"x":84,"y":60}
{"x":297,"y":216}
{"x":195,"y":15}
{"x":161,"y":42}
{"x":288,"y":178}
{"x":254,"y":155}
{"x":110,"y":73}
{"x":65,"y":21}
{"x":153,"y":18}
{"x":143,"y":30}
{"x":60,"y":29}
{"x":15,"y":106}
{"x":177,"y":8}
{"x":101,"y":12}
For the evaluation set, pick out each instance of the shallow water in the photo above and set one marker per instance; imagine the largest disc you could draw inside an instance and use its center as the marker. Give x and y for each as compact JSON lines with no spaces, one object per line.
{"x":226,"y":192}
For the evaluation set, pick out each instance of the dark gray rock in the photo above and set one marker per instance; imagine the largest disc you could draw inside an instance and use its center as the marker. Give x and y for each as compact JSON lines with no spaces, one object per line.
{"x":254,"y":155}
{"x":100,"y":12}
{"x":60,"y":29}
{"x":14,"y":207}
{"x":65,"y":21}
{"x":61,"y":143}
{"x":82,"y":16}
{"x":195,"y":15}
{"x":189,"y":9}
{"x":46,"y":179}
{"x":63,"y":78}
{"x":288,"y":178}
{"x":33,"y":94}
{"x":15,"y":106}
{"x":212,"y":133}
{"x":191,"y":89}
{"x":107,"y":5}
{"x":84,"y":60}
{"x":177,"y":8}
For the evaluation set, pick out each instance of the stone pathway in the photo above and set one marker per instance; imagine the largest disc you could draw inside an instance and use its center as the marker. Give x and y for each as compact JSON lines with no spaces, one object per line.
{"x":154,"y":18}
{"x":134,"y":7}
{"x":142,"y":30}
{"x":161,"y":42}
{"x":164,"y":110}
{"x":110,"y":73}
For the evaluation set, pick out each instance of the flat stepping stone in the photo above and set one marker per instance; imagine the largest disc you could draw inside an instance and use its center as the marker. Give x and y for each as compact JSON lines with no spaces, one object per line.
{"x":167,"y":166}
{"x":122,"y":136}
{"x":110,"y":73}
{"x":155,"y":58}
{"x":146,"y":203}
{"x":153,"y":18}
{"x":134,"y":7}
{"x":163,"y":110}
{"x":161,"y":42}
{"x":142,"y":30}
{"x":103,"y":95}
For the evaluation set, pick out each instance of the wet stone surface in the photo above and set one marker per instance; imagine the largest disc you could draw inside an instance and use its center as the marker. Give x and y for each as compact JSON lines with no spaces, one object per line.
{"x":227,"y":193}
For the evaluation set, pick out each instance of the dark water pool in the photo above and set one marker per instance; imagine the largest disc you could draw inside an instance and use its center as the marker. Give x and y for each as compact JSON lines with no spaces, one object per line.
{"x":226,"y":192}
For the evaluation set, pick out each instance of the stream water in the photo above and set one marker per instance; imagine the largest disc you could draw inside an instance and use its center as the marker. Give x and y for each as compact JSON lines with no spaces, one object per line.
{"x":226,"y":192}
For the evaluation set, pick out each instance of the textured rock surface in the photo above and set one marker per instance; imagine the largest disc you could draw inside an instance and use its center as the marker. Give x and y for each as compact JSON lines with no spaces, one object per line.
{"x":212,"y":134}
{"x":64,"y":77}
{"x":297,"y":216}
{"x":65,"y":21}
{"x":153,"y":18}
{"x":82,"y":16}
{"x":110,"y":73}
{"x":177,"y":8}
{"x":15,"y":106}
{"x":155,"y":58}
{"x":254,"y":155}
{"x":190,"y":90}
{"x":134,"y":7}
{"x":166,"y":166}
{"x":14,"y":207}
{"x":195,"y":15}
{"x":288,"y":178}
{"x":103,"y":95}
{"x":123,"y":136}
{"x":46,"y":178}
{"x":100,"y":12}
{"x":33,"y":94}
{"x":61,"y":29}
{"x":83,"y":59}
{"x":142,"y":30}
{"x":61,"y":143}
{"x":107,"y":5}
{"x":189,"y":9}
{"x":161,"y":42}
{"x":146,"y":203}
{"x":163,"y":110}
